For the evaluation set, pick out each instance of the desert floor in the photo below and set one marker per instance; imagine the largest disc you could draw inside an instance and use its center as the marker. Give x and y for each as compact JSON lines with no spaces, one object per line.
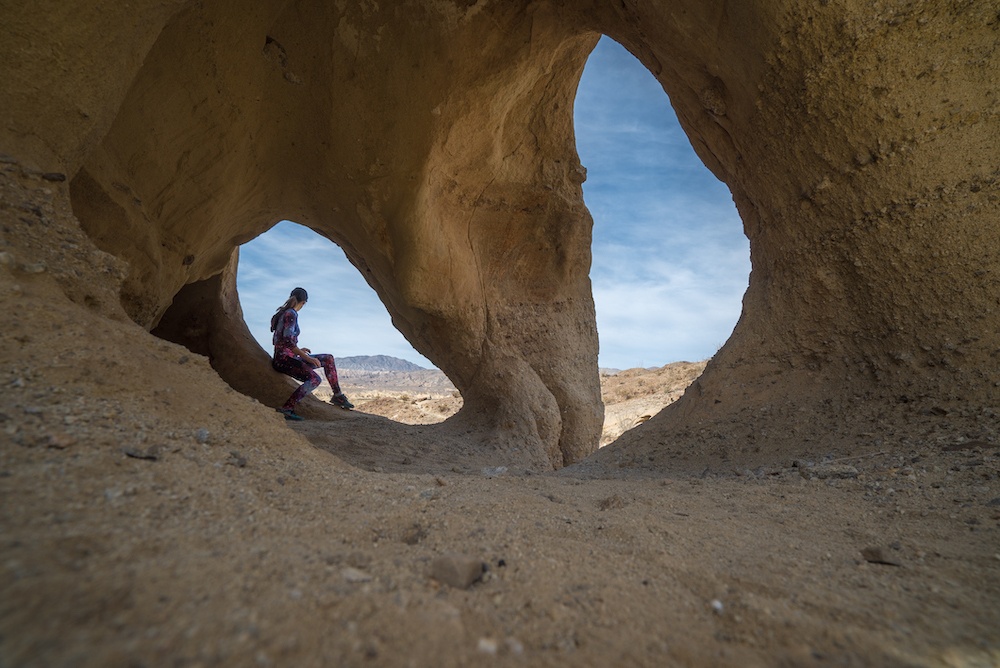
{"x":152,"y":516}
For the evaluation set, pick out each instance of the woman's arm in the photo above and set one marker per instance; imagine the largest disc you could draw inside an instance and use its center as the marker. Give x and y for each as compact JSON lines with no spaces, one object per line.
{"x":304,"y":355}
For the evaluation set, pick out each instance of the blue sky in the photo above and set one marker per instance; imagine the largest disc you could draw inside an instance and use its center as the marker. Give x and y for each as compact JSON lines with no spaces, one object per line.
{"x":670,"y":260}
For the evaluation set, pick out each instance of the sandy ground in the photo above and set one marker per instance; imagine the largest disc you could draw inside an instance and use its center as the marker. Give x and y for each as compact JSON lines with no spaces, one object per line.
{"x":151,"y":516}
{"x":631,"y":397}
{"x":141,"y":529}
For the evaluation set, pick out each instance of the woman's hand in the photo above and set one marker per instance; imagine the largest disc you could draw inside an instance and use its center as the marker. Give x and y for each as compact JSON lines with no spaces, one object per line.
{"x":303,"y":354}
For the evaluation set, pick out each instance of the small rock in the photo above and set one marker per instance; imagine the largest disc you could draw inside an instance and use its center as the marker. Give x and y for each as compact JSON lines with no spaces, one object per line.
{"x":717,"y":606}
{"x":878,"y":555}
{"x":494,"y":471}
{"x":487,"y":646}
{"x":457,"y":570}
{"x":56,"y":177}
{"x":415,"y":534}
{"x":202,"y":436}
{"x":994,"y":502}
{"x":35,"y":268}
{"x":152,"y":454}
{"x":60,"y":440}
{"x":355,"y":575}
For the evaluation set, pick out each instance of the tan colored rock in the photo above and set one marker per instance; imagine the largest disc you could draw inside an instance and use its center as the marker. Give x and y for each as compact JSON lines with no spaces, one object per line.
{"x":433,"y":141}
{"x":859,"y":140}
{"x":457,"y":570}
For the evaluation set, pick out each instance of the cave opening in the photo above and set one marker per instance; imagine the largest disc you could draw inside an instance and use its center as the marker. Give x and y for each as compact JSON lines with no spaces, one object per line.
{"x":670,"y":261}
{"x":379,"y":369}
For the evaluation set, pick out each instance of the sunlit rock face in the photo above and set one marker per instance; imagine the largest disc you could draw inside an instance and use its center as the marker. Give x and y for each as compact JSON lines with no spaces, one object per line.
{"x":433,"y":141}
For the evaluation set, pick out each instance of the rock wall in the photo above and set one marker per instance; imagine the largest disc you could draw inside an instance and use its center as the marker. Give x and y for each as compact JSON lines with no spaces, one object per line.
{"x":433,"y":141}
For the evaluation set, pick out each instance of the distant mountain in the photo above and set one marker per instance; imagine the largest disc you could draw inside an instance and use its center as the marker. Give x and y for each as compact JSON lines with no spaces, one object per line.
{"x":376,"y":363}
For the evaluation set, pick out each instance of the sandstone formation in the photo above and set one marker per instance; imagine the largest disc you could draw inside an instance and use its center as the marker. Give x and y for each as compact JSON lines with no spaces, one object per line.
{"x":844,"y":503}
{"x":433,"y":141}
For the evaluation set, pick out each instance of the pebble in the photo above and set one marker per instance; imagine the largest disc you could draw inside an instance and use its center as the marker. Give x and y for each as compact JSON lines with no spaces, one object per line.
{"x":202,"y":436}
{"x":352,"y":574}
{"x":457,"y":570}
{"x":878,"y":555}
{"x":494,"y":471}
{"x":151,"y":454}
{"x":60,"y":440}
{"x":487,"y":646}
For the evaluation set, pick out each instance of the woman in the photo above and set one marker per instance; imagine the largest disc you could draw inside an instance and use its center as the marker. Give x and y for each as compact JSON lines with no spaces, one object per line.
{"x":299,"y":362}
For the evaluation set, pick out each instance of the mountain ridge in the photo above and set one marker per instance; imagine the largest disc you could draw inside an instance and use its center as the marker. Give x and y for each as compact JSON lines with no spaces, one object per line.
{"x":377,"y":363}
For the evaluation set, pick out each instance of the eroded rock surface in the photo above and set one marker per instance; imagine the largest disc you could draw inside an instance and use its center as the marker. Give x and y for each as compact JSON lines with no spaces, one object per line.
{"x":153,"y":515}
{"x":433,"y":141}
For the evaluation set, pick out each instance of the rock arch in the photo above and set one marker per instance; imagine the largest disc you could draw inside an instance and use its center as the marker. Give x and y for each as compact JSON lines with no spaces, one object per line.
{"x":440,"y":134}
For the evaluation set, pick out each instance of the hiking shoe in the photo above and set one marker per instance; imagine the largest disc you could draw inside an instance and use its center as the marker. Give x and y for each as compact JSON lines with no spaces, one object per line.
{"x":341,"y":401}
{"x":290,"y":414}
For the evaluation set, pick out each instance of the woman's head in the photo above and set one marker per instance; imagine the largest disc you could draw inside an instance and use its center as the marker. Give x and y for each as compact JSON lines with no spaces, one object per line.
{"x":295,"y":300}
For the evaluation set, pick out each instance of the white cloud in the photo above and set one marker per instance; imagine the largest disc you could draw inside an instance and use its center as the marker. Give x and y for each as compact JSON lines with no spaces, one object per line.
{"x":670,"y":261}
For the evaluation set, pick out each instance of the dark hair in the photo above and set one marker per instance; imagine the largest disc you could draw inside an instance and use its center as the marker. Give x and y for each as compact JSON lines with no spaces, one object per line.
{"x":297,"y":295}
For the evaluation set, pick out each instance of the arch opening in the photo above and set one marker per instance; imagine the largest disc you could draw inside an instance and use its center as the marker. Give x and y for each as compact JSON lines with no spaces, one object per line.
{"x":379,"y":369}
{"x":670,"y":260}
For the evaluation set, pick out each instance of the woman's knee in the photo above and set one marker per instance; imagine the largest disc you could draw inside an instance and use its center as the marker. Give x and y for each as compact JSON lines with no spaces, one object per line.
{"x":313,"y":381}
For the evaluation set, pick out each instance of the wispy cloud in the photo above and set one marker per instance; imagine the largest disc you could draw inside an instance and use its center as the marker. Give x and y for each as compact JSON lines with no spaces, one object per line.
{"x":670,"y":261}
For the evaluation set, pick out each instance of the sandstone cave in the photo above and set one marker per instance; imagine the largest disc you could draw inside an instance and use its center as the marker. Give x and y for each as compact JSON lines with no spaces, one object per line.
{"x":157,"y":511}
{"x":453,"y":184}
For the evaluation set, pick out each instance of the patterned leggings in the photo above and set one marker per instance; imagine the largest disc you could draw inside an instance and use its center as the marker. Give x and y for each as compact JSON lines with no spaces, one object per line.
{"x":299,"y":370}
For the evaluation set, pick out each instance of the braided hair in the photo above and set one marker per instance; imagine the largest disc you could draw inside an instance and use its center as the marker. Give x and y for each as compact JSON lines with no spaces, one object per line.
{"x":298,"y":295}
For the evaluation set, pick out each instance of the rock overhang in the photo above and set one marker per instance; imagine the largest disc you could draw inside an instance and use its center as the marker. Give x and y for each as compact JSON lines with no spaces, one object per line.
{"x":434,"y":143}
